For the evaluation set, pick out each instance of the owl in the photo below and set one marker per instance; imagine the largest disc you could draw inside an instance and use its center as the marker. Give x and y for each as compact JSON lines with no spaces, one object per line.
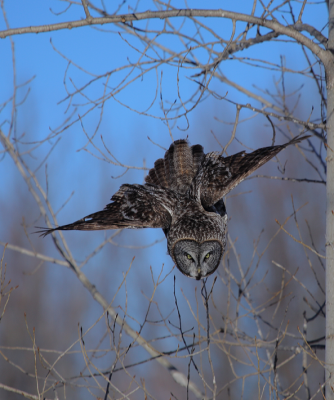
{"x":183,"y":195}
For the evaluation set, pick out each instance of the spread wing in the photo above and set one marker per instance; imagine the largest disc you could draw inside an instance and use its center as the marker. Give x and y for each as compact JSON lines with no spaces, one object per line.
{"x":133,"y":206}
{"x":218,"y":175}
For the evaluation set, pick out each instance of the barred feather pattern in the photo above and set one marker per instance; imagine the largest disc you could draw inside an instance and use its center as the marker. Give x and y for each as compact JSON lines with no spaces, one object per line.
{"x":178,"y":168}
{"x":183,"y":195}
{"x":218,"y":175}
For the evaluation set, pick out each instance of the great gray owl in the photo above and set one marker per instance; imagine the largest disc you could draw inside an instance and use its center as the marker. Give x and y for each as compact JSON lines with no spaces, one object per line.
{"x":183,"y":195}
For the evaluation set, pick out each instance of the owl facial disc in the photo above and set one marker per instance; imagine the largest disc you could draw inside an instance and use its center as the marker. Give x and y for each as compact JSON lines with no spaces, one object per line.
{"x":197,"y":260}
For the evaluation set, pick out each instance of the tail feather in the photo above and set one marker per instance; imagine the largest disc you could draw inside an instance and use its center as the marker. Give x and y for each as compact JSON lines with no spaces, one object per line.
{"x":169,"y":165}
{"x":153,"y":177}
{"x":159,"y":167}
{"x":183,"y":165}
{"x":178,"y":167}
{"x":198,"y":155}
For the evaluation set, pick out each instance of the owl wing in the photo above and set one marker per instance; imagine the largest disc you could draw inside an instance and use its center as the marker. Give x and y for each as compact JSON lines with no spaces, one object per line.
{"x":133,"y":206}
{"x":218,"y":175}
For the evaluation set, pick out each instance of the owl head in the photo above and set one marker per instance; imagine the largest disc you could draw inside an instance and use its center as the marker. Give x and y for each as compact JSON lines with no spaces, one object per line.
{"x":197,"y":260}
{"x":197,"y":245}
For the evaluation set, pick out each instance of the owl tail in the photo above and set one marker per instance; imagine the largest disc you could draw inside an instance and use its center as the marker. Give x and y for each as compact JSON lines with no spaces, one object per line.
{"x":178,"y":167}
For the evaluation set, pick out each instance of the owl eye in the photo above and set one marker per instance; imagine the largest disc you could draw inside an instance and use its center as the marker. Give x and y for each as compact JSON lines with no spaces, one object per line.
{"x":189,"y":257}
{"x":207,"y":256}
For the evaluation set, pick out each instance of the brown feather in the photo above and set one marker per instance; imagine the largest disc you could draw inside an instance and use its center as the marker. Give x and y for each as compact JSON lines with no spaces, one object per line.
{"x":183,"y":195}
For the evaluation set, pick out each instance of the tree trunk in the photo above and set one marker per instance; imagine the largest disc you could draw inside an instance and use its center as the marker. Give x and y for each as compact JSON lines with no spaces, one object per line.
{"x":330,"y":215}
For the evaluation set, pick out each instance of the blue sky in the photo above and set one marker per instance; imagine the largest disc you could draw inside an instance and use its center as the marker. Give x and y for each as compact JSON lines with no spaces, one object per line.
{"x":96,"y":50}
{"x":125,"y":132}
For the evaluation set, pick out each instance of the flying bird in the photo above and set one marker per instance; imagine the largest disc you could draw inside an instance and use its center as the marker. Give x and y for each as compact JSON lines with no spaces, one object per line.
{"x":183,"y":195}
